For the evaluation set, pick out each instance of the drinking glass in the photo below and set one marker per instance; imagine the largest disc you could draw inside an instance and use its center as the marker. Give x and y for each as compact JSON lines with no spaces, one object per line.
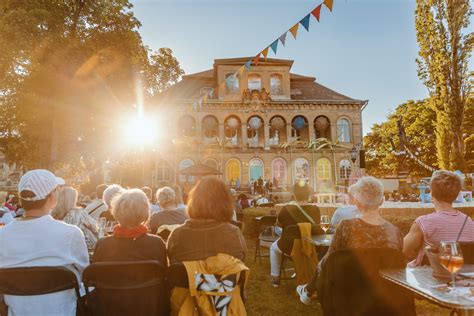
{"x":109,"y":228}
{"x":325,"y":223}
{"x":451,"y":258}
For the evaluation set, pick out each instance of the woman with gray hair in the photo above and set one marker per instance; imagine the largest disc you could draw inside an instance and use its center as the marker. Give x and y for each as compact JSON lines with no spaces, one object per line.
{"x":109,"y":193}
{"x":130,"y":241}
{"x":369,"y":230}
{"x":67,"y":211}
{"x":169,"y":214}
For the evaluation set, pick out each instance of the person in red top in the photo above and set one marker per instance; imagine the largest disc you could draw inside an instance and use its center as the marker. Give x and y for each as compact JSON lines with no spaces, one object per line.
{"x":445,"y":224}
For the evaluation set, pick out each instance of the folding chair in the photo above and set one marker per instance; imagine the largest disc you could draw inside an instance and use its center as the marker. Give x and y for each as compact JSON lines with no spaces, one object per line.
{"x":27,"y":281}
{"x":126,"y":288}
{"x":267,"y":235}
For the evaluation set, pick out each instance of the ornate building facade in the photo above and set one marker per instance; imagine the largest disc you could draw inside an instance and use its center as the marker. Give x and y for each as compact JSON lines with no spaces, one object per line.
{"x":260,"y":125}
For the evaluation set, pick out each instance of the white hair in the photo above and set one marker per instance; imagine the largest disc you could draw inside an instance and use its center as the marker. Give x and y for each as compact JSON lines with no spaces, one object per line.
{"x":369,"y":191}
{"x":131,"y":208}
{"x":110,"y":192}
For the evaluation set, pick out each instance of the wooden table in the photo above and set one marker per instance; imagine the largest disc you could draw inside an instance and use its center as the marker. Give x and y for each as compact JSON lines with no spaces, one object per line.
{"x":320,"y":240}
{"x":420,"y":281}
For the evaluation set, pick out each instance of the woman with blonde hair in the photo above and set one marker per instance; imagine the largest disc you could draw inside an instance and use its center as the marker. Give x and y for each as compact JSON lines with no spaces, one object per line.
{"x":67,"y":211}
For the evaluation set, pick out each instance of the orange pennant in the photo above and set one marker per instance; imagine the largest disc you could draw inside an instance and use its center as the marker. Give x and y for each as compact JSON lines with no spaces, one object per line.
{"x":241,"y":70}
{"x":294,"y":30}
{"x":328,"y":3}
{"x":256,"y":59}
{"x":265,"y":52}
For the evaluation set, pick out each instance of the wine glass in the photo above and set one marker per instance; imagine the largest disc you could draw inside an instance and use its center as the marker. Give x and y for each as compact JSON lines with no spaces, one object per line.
{"x":325,"y":223}
{"x":101,"y":223}
{"x":451,"y":258}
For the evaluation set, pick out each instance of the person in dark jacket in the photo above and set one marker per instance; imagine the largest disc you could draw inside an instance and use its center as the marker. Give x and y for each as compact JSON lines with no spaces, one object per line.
{"x":130,"y":241}
{"x":208,"y":231}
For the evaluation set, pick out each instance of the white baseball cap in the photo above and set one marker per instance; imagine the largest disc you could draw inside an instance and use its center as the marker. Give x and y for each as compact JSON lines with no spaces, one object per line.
{"x":41,"y":182}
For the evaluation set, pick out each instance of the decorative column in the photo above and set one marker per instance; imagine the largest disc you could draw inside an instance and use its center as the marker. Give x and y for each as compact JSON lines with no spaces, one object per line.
{"x":312,"y":134}
{"x":266,"y":130}
{"x":221,"y":131}
{"x":244,"y":136}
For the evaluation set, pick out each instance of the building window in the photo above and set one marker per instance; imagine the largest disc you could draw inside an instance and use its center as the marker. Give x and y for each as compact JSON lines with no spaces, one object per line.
{"x":183,"y":164}
{"x":232,"y":130}
{"x":187,"y":126}
{"x":254,"y":82}
{"x":279,"y":172}
{"x":163,"y":171}
{"x":255,"y":132}
{"x":344,"y":169}
{"x":231,"y":83}
{"x":343,"y":131}
{"x":322,"y":127}
{"x":233,"y":170}
{"x":301,"y":169}
{"x":210,"y":129}
{"x":300,"y":128}
{"x":324,"y":169}
{"x":276,"y":87}
{"x":255,"y":169}
{"x":211,"y":163}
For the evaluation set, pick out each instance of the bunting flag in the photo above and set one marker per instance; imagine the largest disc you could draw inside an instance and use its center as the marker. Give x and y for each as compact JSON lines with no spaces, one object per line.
{"x":294,"y":30}
{"x":317,"y":12}
{"x":282,"y":38}
{"x":328,"y":3}
{"x":305,"y":22}
{"x":274,"y":46}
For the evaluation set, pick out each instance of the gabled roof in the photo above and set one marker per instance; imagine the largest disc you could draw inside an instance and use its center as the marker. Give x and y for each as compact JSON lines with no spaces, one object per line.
{"x":302,"y":87}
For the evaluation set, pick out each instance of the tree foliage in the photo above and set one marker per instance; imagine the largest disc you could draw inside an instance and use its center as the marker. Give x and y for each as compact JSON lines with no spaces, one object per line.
{"x":444,"y":50}
{"x":382,"y":143}
{"x":70,"y":71}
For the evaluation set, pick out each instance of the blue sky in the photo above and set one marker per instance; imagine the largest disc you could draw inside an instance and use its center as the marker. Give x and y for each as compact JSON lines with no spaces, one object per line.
{"x":365,"y":49}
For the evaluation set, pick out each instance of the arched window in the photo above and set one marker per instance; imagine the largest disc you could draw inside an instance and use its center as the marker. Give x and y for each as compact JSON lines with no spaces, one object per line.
{"x":277,"y":131}
{"x":278,"y":172}
{"x":210,"y":129}
{"x":183,"y":164}
{"x":324,"y":169}
{"x":232,"y":130}
{"x":301,"y":169}
{"x":322,"y":127}
{"x":344,"y":169}
{"x":163,"y":171}
{"x":254,"y":82}
{"x":276,"y":87}
{"x":343,"y":131}
{"x":300,"y":128}
{"x":231,"y":83}
{"x":255,"y":133}
{"x":233,"y":170}
{"x":255,"y":169}
{"x":187,"y":126}
{"x":211,"y":163}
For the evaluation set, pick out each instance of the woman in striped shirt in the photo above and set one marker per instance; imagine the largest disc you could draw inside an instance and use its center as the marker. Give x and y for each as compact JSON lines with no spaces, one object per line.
{"x":444,"y":224}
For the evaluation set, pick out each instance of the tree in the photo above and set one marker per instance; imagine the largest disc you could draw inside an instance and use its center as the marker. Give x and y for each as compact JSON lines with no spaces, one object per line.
{"x":70,"y":72}
{"x":384,"y":153}
{"x":443,"y":67}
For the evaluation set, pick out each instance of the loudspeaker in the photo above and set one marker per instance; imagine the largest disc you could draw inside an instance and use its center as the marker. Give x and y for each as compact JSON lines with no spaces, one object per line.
{"x":362,"y":159}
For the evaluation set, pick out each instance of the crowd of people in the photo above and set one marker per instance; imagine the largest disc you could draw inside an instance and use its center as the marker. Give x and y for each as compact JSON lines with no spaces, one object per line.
{"x":51,"y":226}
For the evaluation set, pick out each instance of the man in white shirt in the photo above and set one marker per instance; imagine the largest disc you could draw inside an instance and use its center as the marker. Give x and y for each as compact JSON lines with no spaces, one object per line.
{"x":97,"y":206}
{"x":39,"y":240}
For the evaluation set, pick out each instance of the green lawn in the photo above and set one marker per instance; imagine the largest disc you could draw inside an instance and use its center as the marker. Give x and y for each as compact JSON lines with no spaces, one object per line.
{"x":263,"y":299}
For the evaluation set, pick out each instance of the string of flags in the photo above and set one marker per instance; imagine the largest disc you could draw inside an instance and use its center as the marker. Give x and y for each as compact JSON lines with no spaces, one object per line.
{"x":305,"y":22}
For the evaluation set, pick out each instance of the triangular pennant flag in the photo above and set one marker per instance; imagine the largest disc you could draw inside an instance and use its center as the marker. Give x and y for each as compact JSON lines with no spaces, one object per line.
{"x":265,"y":52}
{"x":328,"y":3}
{"x":317,"y":12}
{"x":195,"y":105}
{"x":305,"y":22}
{"x":274,"y":46}
{"x":256,"y":59}
{"x":210,"y":93}
{"x":294,"y":30}
{"x":241,"y":70}
{"x":204,"y":97}
{"x":200,"y":102}
{"x":247,"y":64}
{"x":283,"y":38}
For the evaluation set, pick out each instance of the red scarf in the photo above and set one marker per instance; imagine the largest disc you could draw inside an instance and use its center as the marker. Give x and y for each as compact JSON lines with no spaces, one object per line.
{"x":135,"y":232}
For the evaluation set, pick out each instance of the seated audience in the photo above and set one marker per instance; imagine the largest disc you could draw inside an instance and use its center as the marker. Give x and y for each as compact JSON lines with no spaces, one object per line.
{"x":442,"y":225}
{"x":39,"y":240}
{"x":370,"y":230}
{"x":130,"y":240}
{"x":109,"y":193}
{"x":169,"y":214}
{"x":262,"y":200}
{"x":149,"y":194}
{"x":97,"y":205}
{"x":244,"y":201}
{"x":292,"y":215}
{"x":208,"y":230}
{"x":67,"y":211}
{"x":347,"y":211}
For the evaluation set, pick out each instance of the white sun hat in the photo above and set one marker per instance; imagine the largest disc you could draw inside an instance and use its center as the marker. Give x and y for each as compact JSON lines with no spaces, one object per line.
{"x":41,"y":182}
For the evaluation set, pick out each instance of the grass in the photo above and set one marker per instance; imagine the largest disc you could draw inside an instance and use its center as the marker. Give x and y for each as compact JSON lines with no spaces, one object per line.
{"x":263,"y":299}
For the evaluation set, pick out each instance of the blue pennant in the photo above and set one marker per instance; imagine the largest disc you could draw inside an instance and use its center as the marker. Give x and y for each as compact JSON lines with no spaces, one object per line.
{"x":247,"y":64}
{"x":305,"y":22}
{"x":274,"y":46}
{"x":283,"y":38}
